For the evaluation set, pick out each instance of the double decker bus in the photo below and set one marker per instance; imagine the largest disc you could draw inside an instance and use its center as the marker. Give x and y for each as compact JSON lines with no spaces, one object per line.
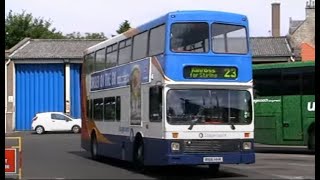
{"x":285,"y":104}
{"x":174,"y":91}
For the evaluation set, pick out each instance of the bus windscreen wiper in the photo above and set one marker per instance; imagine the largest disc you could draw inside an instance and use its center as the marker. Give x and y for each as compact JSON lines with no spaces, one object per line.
{"x":196,"y":120}
{"x":193,"y":122}
{"x":232,"y":123}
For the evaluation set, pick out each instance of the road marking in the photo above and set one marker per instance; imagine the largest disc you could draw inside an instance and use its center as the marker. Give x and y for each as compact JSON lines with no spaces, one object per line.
{"x":292,"y":177}
{"x":297,"y":164}
{"x":285,"y":155}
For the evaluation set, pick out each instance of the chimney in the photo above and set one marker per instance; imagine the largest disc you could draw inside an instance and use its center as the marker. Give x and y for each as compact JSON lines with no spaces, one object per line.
{"x":275,"y":19}
{"x":310,"y":7}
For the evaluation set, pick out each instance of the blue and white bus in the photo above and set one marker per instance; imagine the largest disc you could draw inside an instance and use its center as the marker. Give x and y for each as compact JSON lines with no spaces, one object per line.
{"x":174,"y":91}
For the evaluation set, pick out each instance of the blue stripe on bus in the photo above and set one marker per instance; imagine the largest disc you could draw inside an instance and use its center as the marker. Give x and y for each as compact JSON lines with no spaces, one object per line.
{"x":122,"y":148}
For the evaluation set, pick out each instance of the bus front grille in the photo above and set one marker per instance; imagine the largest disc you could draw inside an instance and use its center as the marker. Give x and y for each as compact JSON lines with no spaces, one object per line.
{"x":210,"y":146}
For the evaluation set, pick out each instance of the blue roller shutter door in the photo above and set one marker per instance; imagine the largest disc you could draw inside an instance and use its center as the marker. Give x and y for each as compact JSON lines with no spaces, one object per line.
{"x":39,"y":88}
{"x":75,"y":70}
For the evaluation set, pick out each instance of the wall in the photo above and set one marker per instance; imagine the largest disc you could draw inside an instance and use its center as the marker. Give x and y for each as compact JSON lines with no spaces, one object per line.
{"x":10,"y":107}
{"x":307,"y":52}
{"x":306,"y":32}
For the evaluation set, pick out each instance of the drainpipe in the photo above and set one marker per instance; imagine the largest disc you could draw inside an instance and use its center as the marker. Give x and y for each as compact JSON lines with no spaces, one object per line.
{"x":6,"y":94}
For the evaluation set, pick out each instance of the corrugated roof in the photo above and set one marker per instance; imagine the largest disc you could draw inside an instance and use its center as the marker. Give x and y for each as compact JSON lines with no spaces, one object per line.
{"x":53,"y":48}
{"x":270,"y":47}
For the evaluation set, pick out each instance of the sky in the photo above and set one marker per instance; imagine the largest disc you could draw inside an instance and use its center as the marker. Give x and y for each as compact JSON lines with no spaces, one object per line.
{"x":95,"y":16}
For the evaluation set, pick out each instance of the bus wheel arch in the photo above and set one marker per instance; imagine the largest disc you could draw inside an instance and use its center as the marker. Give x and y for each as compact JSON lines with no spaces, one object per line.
{"x":138,"y":152}
{"x":311,"y":137}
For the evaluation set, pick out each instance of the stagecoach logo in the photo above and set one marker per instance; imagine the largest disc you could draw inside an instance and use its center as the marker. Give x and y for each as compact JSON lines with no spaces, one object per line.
{"x":200,"y":135}
{"x":311,"y":106}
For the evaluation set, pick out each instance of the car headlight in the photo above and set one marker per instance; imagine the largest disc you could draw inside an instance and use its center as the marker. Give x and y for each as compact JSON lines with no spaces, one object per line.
{"x":246,"y":145}
{"x":175,"y":146}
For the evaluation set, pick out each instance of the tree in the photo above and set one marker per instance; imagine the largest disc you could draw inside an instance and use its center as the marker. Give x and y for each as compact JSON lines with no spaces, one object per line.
{"x":19,"y":26}
{"x":124,"y":27}
{"x":78,"y":35}
{"x":95,"y":36}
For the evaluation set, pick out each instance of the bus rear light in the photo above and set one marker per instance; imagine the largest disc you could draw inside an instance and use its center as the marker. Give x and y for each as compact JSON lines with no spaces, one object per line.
{"x":175,"y":135}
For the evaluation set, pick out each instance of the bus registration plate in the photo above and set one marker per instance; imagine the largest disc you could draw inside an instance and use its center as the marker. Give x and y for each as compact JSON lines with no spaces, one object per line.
{"x":212,"y":159}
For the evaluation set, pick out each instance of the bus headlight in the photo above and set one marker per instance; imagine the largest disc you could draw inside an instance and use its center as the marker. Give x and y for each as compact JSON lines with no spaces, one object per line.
{"x":246,"y":145}
{"x":175,"y":146}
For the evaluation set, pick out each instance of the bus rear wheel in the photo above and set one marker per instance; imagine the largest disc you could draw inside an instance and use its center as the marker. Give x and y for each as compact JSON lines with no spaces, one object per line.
{"x":311,"y":143}
{"x":94,"y":147}
{"x":138,"y":155}
{"x":214,"y":168}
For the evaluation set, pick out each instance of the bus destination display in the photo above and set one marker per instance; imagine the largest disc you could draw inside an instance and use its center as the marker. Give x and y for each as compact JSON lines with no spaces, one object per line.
{"x":210,"y":72}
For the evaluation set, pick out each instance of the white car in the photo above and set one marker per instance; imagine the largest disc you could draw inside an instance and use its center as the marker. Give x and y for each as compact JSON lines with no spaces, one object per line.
{"x":55,"y":121}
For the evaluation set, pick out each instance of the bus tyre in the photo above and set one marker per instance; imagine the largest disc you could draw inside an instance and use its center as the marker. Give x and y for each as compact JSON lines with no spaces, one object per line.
{"x":214,"y":168}
{"x":311,"y":143}
{"x":139,"y":155}
{"x":94,"y":147}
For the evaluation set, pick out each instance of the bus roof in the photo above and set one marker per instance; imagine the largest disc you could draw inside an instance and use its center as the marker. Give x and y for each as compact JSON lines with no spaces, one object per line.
{"x":283,"y":65}
{"x":179,"y":15}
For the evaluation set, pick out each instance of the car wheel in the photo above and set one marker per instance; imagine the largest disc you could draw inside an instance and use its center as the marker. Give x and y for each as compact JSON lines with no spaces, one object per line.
{"x":75,"y":129}
{"x":39,"y":130}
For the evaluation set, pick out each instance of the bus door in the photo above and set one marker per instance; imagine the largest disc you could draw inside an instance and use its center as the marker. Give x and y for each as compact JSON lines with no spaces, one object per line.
{"x":291,"y":106}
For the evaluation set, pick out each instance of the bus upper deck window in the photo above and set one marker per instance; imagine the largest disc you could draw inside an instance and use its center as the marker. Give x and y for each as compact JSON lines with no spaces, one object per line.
{"x":189,"y":37}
